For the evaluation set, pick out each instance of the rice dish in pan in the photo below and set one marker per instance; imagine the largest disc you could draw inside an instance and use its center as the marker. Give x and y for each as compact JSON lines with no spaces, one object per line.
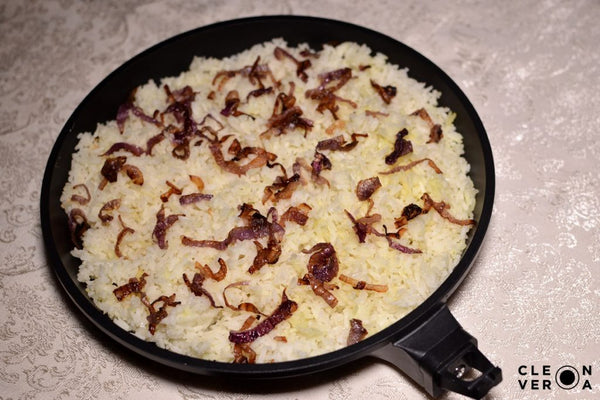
{"x":274,"y":205}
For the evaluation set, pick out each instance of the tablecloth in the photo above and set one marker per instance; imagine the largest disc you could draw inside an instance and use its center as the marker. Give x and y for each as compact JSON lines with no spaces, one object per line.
{"x":532,"y":70}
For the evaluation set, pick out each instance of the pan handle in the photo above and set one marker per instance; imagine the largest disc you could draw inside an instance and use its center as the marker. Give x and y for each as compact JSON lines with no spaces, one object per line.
{"x":440,"y":355}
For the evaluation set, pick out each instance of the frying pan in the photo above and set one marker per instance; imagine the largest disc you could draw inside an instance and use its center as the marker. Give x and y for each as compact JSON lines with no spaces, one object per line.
{"x":428,"y":344}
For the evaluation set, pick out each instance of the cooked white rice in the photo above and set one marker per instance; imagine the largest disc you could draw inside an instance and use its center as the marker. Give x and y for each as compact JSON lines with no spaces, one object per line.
{"x":194,"y":327}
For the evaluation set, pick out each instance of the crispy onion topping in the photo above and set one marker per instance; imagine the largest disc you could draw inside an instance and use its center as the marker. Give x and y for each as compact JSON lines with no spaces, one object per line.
{"x":131,"y":148}
{"x":111,"y":168}
{"x":299,"y":165}
{"x":408,"y":212}
{"x":180,"y":107}
{"x":364,"y":226}
{"x":411,"y":211}
{"x":184,"y":95}
{"x":395,"y":245}
{"x":338,"y":143}
{"x":255,"y":74}
{"x":194,"y":198}
{"x":401,"y":147}
{"x":110,"y":205}
{"x":376,"y":114}
{"x":442,"y":209}
{"x":320,"y":288}
{"x":323,"y":263}
{"x":307,"y":53}
{"x":435,"y":134}
{"x":113,"y":165}
{"x":362,"y":285}
{"x":153,"y":141}
{"x":271,"y":253}
{"x":242,"y":352}
{"x":366,"y":187}
{"x":320,"y":163}
{"x":281,"y":313}
{"x":286,"y":115}
{"x":196,"y":180}
{"x":257,"y":226}
{"x":357,"y":332}
{"x":217,"y":276}
{"x":435,"y":130}
{"x":232,"y":102}
{"x":196,"y":288}
{"x":282,"y":188}
{"x":248,"y":307}
{"x":261,"y":158}
{"x":297,"y":214}
{"x":265,"y":255}
{"x":155,"y":316}
{"x":78,"y":224}
{"x":133,"y":286}
{"x":134,"y":174}
{"x":301,"y":66}
{"x":164,"y":197}
{"x":79,"y":198}
{"x":129,"y":107}
{"x":339,"y":77}
{"x":289,"y":119}
{"x":162,"y":224}
{"x":197,"y":196}
{"x":324,"y":93}
{"x":387,"y":93}
{"x":411,"y":164}
{"x":259,"y":92}
{"x":124,"y":231}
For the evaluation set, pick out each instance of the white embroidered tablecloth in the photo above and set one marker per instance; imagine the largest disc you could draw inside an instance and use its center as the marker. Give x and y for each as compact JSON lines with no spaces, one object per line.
{"x":531,"y":69}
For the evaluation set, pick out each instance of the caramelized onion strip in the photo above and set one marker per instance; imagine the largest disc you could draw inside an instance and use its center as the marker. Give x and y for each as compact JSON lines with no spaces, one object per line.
{"x":285,"y":310}
{"x":208,"y":273}
{"x":357,"y":332}
{"x":411,"y":164}
{"x":362,"y":285}
{"x":124,"y":231}
{"x":133,"y":286}
{"x":435,"y":130}
{"x":366,"y":187}
{"x":108,"y":206}
{"x":401,"y":147}
{"x":442,"y":209}
{"x":156,"y":316}
{"x":196,"y":287}
{"x":242,"y":352}
{"x":131,"y":148}
{"x":80,"y":199}
{"x":249,"y":307}
{"x":318,"y":288}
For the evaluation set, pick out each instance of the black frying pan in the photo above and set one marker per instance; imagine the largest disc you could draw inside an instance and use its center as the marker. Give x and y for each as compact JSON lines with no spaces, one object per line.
{"x":428,"y":344}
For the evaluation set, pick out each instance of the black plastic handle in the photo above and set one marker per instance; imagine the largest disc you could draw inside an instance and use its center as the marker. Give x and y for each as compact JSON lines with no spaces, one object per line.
{"x":440,"y":355}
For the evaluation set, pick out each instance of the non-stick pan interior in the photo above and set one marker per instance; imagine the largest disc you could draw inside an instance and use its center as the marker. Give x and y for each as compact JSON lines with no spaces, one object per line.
{"x":223,"y":39}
